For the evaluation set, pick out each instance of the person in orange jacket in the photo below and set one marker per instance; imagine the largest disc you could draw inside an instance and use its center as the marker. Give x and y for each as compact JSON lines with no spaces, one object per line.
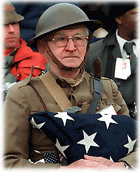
{"x":18,"y":57}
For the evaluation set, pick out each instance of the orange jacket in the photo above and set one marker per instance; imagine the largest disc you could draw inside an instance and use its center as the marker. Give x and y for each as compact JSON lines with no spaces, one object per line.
{"x":24,"y":58}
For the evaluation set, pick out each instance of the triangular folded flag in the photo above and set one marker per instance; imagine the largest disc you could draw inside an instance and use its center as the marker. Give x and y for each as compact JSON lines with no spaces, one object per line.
{"x":74,"y":134}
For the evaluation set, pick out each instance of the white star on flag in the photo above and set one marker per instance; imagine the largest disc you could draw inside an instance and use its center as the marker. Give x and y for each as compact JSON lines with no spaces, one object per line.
{"x":88,"y":141}
{"x":130,"y":144}
{"x":110,"y":158}
{"x":64,"y":116}
{"x":107,"y":118}
{"x":36,"y":125}
{"x":61,"y":148}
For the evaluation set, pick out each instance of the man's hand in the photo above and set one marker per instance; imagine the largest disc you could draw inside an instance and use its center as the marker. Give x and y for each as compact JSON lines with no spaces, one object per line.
{"x":106,"y":162}
{"x":96,"y":163}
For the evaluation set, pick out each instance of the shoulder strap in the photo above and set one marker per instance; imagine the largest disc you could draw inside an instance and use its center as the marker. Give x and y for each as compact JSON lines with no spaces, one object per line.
{"x":62,"y":100}
{"x":97,"y":89}
{"x":56,"y":91}
{"x":40,"y":98}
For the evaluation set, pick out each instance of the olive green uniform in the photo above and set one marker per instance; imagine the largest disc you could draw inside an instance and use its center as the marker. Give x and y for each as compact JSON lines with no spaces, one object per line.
{"x":22,"y":141}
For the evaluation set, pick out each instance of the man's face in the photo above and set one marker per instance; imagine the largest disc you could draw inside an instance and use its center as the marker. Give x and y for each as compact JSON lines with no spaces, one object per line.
{"x":70,"y":55}
{"x":130,"y":21}
{"x":11,"y":35}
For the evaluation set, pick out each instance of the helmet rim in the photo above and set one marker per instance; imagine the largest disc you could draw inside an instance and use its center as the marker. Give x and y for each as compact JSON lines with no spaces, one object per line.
{"x":10,"y":14}
{"x":58,"y":20}
{"x":91,"y":22}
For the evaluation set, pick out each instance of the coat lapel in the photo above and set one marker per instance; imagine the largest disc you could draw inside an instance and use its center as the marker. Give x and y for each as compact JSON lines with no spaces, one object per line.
{"x":110,"y":52}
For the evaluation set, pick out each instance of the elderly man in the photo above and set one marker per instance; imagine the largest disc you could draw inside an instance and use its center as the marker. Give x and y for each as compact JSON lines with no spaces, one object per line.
{"x":18,"y":58}
{"x":62,"y":36}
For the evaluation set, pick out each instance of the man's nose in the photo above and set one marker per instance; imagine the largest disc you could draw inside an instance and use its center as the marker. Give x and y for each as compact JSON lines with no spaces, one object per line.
{"x":70,"y":46}
{"x":11,"y":28}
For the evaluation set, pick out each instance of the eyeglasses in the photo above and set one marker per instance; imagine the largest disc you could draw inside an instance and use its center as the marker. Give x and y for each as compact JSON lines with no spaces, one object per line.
{"x":62,"y":40}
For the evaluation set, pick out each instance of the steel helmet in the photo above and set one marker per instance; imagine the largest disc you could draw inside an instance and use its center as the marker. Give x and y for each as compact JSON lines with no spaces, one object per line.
{"x":10,"y":14}
{"x":61,"y":15}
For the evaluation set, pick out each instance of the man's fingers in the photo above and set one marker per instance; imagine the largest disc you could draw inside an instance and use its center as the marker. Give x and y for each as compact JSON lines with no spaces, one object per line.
{"x":93,"y":158}
{"x":104,"y":163}
{"x":101,"y":160}
{"x":87,"y":164}
{"x":95,"y":165}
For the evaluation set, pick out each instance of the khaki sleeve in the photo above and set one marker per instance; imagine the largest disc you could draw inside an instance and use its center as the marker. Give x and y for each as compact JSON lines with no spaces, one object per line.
{"x":118,"y":99}
{"x":131,"y":159}
{"x":17,"y":132}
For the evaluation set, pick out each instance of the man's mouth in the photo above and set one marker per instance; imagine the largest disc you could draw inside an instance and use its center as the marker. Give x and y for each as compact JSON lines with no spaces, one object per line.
{"x":11,"y":38}
{"x":70,"y":57}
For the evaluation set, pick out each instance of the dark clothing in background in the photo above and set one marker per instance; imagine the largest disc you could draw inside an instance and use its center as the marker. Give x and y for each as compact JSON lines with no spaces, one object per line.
{"x":108,"y":50}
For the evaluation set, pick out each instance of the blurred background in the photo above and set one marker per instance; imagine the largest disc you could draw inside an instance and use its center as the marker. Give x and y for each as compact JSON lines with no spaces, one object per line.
{"x":96,"y":10}
{"x":33,"y":10}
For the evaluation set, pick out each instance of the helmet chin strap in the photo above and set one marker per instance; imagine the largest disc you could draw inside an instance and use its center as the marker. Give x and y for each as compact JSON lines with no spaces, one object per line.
{"x":55,"y":60}
{"x":59,"y":64}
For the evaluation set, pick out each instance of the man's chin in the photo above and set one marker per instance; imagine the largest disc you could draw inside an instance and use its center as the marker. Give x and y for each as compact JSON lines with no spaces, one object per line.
{"x":70,"y":67}
{"x":11,"y":46}
{"x":72,"y":64}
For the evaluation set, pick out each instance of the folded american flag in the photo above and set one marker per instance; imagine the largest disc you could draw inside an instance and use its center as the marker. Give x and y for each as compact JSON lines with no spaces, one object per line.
{"x":110,"y":136}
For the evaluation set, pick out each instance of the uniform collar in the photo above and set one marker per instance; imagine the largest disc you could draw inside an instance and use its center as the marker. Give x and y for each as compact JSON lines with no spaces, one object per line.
{"x":71,"y":82}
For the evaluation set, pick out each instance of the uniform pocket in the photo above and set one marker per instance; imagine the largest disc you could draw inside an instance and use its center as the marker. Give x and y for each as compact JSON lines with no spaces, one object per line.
{"x":106,"y":102}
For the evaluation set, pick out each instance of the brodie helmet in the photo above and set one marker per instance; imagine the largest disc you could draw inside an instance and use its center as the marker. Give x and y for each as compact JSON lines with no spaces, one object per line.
{"x":58,"y":16}
{"x":61,"y":15}
{"x":10,"y":15}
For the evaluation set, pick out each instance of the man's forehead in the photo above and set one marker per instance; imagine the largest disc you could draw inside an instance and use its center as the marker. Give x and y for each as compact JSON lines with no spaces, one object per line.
{"x":76,"y":28}
{"x":73,"y":28}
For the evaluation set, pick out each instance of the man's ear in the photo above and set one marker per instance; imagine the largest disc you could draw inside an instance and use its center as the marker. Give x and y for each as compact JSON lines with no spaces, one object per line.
{"x":41,"y":48}
{"x":118,"y":20}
